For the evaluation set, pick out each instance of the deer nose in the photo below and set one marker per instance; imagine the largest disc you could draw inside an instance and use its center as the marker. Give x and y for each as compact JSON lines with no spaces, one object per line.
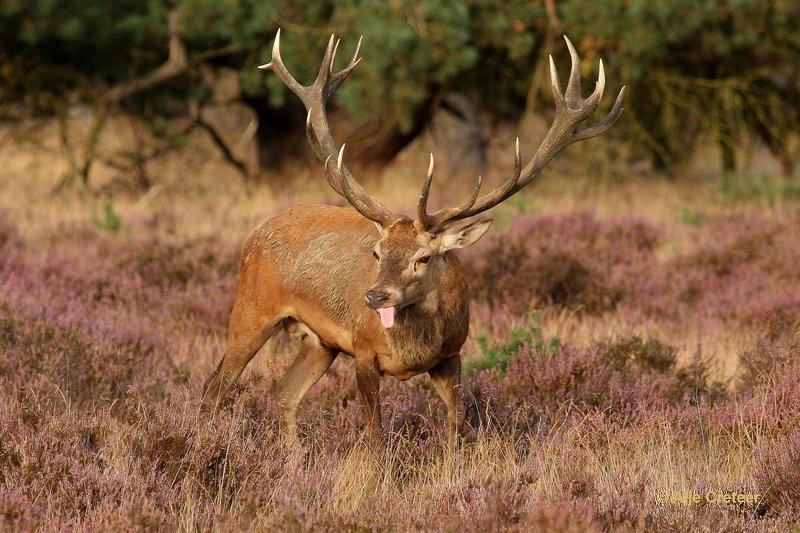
{"x":376,"y":298}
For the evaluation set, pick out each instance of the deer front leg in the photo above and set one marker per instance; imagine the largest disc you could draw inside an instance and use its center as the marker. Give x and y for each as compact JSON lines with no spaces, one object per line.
{"x":446,"y":377}
{"x":368,"y":380}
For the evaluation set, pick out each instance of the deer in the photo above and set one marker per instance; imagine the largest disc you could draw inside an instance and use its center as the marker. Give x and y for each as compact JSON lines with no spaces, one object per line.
{"x":385,"y":289}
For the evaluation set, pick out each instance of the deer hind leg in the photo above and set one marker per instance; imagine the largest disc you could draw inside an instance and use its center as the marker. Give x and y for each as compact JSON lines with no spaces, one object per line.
{"x":310,"y":364}
{"x":248,"y":330}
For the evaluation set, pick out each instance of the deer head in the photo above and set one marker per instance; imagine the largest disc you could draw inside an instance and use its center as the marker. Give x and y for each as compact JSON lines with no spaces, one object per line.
{"x":411,"y":253}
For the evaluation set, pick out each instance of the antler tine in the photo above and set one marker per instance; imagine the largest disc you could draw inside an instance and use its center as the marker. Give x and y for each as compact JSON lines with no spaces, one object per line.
{"x":512,"y":181}
{"x":422,"y":206}
{"x":555,"y":84}
{"x":573,"y":92}
{"x":600,"y":86}
{"x":333,"y":175}
{"x":358,"y":49}
{"x":603,"y":125}
{"x":469,"y":203}
{"x":277,"y":66}
{"x":338,"y":78}
{"x":333,"y":56}
{"x":326,"y":67}
{"x":571,"y":110}
{"x":331,"y":178}
{"x":311,"y":137}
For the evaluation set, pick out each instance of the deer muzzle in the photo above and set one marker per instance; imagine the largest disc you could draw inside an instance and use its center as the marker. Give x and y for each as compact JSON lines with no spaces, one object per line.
{"x":378,"y":299}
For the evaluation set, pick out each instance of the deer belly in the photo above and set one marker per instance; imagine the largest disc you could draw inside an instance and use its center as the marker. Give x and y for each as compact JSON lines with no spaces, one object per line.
{"x":330,"y":333}
{"x":404,"y":369}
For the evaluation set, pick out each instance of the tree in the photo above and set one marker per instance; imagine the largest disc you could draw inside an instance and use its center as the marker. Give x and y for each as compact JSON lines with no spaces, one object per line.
{"x":728,"y":68}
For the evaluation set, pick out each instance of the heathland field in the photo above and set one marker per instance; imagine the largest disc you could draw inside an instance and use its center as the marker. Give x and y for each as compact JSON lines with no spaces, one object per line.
{"x":633,"y":361}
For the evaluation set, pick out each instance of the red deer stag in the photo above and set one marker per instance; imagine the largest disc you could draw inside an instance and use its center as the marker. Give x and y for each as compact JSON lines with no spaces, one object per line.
{"x":385,"y":289}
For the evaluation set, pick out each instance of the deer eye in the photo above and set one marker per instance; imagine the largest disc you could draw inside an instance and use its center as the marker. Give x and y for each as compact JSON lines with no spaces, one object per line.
{"x":375,"y":254}
{"x":424,"y":259}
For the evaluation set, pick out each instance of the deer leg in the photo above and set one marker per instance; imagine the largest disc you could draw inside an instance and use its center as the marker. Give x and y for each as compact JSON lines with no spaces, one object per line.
{"x":311,"y":363}
{"x":446,"y":377}
{"x":248,"y":330}
{"x":368,"y":380}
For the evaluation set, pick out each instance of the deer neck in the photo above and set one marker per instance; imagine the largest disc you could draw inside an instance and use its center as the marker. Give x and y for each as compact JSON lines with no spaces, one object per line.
{"x":419,"y":332}
{"x":417,"y":335}
{"x":418,"y":315}
{"x":426,"y":313}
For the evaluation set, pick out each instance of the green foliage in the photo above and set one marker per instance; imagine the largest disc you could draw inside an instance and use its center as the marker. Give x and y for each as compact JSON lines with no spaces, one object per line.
{"x":510,"y":211}
{"x":692,"y":217}
{"x":500,"y":355}
{"x":51,"y":46}
{"x":724,"y":67}
{"x":109,"y":220}
{"x":719,"y":67}
{"x":735,"y":186}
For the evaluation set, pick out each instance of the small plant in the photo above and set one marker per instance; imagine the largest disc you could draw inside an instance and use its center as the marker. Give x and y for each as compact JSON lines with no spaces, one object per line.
{"x":735,"y":186}
{"x":507,"y":215}
{"x":692,"y":217}
{"x":110,"y":220}
{"x":500,"y":355}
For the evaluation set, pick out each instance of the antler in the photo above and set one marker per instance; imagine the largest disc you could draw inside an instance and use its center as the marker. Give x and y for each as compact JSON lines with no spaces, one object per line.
{"x":314,"y":98}
{"x":571,"y":110}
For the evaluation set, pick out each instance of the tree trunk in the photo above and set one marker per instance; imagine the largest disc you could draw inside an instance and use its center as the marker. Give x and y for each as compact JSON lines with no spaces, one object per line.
{"x":726,"y":145}
{"x":375,"y":143}
{"x":554,"y":31}
{"x":282,"y":138}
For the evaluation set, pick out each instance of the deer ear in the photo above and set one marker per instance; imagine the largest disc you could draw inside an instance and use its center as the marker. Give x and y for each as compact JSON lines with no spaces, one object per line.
{"x":459,"y":237}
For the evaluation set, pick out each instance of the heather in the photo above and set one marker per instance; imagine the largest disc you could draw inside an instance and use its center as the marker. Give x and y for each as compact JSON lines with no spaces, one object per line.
{"x":739,"y":267}
{"x":602,"y":372}
{"x":633,"y":355}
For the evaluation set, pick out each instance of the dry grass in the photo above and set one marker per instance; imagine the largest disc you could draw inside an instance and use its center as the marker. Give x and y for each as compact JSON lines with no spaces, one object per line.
{"x":549,"y":446}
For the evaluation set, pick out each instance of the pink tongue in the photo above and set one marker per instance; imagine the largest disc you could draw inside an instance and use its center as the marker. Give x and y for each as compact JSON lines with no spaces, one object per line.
{"x":387,"y":316}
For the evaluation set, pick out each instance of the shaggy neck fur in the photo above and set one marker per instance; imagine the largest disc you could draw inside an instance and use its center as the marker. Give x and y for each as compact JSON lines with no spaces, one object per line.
{"x":418,"y":331}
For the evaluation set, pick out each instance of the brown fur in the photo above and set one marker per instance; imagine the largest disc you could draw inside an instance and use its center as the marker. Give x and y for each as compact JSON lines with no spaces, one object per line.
{"x":313,"y":265}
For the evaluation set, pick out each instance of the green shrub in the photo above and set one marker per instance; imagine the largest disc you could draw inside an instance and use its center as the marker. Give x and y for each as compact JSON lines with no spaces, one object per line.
{"x":724,"y":67}
{"x":109,"y":219}
{"x":736,"y":186}
{"x":498,"y":356}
